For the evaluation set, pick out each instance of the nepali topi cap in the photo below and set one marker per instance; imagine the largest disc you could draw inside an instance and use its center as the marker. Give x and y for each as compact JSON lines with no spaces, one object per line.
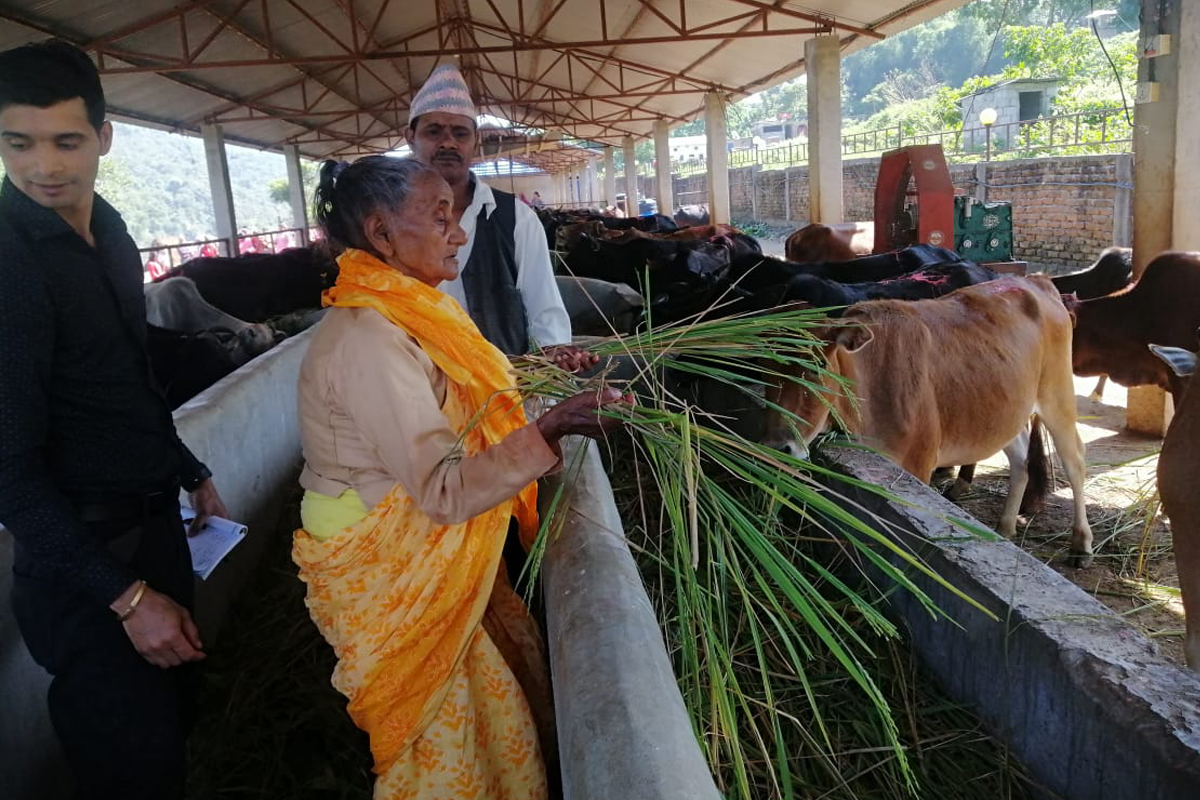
{"x":445,"y":91}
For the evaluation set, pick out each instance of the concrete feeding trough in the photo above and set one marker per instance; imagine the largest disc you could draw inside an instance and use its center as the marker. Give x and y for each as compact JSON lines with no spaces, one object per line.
{"x":1078,"y":693}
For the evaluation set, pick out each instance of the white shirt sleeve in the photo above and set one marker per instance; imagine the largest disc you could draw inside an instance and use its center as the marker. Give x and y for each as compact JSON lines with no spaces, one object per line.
{"x":544,"y":309}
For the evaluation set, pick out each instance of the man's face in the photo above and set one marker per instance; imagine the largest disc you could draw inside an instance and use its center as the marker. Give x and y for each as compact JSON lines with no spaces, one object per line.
{"x":52,"y":154}
{"x":446,"y":142}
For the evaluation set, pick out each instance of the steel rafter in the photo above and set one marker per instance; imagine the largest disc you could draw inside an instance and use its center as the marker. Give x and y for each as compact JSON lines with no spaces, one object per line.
{"x":531,"y":61}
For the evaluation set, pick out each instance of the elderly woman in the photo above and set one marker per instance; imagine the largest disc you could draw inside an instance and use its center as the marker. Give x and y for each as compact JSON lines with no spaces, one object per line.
{"x":417,"y":456}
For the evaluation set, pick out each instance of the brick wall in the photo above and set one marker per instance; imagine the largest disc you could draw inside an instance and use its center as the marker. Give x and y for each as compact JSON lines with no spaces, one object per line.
{"x":1064,"y":209}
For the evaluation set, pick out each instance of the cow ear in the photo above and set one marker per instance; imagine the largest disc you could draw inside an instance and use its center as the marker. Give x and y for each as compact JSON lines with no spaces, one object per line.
{"x":1182,"y":362}
{"x":854,"y":337}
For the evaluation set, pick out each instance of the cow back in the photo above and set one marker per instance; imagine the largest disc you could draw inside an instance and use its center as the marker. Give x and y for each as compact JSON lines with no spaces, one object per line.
{"x":964,"y":368}
{"x":256,"y":287}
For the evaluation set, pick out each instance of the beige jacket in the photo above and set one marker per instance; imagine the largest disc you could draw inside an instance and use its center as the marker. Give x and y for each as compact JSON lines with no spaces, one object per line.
{"x":370,"y":417}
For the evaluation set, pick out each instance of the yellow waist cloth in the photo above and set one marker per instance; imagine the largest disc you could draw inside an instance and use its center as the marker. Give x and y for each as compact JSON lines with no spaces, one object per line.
{"x":427,"y":633}
{"x":324,"y":516}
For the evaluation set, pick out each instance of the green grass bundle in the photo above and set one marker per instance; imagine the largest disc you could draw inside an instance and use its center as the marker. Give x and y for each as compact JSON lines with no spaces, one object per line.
{"x":758,"y":625}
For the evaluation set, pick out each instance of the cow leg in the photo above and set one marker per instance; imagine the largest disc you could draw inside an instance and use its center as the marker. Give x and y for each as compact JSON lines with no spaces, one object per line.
{"x":1098,"y":392}
{"x":966,"y":476}
{"x":1187,"y":559}
{"x":1059,"y":418}
{"x":1018,"y":475}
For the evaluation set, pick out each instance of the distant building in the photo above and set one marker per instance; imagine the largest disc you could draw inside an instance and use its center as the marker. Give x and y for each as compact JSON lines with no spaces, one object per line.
{"x":687,"y":148}
{"x":776,"y":130}
{"x":1017,"y":100}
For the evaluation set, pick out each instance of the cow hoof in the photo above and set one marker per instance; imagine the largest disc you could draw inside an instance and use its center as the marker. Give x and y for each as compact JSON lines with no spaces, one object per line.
{"x":957,"y":490}
{"x":1079,"y":560}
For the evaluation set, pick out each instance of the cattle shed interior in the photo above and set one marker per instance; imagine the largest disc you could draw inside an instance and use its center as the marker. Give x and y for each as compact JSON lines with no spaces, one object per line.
{"x":559,"y":82}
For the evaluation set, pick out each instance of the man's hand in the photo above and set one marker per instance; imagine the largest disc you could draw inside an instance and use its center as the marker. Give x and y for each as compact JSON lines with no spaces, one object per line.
{"x":570,"y":358}
{"x":206,"y":503}
{"x":162,"y":631}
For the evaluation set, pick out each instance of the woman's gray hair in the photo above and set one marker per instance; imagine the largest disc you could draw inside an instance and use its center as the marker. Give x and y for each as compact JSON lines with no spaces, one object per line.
{"x":349,"y":193}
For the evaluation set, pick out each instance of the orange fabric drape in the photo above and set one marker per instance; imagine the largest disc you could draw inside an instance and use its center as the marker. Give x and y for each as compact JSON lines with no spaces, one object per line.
{"x":402,"y":599}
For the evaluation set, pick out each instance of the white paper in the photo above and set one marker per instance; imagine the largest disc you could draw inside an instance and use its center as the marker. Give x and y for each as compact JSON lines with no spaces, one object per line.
{"x":212,"y":542}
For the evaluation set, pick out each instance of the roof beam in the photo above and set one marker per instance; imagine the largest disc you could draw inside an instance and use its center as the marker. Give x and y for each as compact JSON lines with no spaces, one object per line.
{"x":156,"y":64}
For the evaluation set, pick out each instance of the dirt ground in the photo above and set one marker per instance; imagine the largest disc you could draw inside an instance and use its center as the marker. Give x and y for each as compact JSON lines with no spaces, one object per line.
{"x":1134,"y":569}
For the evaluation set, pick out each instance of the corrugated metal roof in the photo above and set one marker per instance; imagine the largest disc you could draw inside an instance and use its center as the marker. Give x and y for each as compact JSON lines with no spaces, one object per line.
{"x":335,"y":76}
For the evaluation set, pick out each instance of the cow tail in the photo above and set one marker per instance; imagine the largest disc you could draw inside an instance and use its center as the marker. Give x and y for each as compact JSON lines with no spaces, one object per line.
{"x":1038,"y":460}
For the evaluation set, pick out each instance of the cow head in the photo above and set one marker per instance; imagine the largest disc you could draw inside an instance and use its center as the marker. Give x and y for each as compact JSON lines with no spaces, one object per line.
{"x":256,"y":339}
{"x":801,"y":407}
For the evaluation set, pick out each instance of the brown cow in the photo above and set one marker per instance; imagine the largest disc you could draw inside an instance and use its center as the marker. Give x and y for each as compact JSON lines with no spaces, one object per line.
{"x":1113,"y":333}
{"x":818,"y":243}
{"x":952,"y":381}
{"x":1178,"y":473}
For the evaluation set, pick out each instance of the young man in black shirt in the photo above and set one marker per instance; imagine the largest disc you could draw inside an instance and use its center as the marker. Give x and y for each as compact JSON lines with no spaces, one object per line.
{"x":90,"y":463}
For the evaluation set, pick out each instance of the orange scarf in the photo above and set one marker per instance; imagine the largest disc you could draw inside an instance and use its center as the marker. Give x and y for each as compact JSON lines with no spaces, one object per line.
{"x":399,"y":597}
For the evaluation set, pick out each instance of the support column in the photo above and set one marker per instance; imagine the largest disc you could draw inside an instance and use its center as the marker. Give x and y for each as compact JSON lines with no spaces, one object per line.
{"x":610,"y":177}
{"x":1157,"y":210}
{"x":823,"y":62}
{"x":219,"y":185}
{"x":717,"y":152}
{"x":297,"y":197}
{"x":631,"y":186}
{"x":662,"y":168}
{"x":1185,"y":232}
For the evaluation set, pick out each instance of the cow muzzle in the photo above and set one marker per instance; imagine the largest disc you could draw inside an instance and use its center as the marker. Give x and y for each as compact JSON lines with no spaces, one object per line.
{"x":795,"y":448}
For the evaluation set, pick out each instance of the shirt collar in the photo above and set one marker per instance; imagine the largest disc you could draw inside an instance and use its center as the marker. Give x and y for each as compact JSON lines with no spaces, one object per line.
{"x":481,"y":199}
{"x":45,"y":223}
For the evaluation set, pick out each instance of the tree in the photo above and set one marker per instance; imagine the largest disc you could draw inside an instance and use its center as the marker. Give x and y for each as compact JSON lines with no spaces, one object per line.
{"x":279,"y":190}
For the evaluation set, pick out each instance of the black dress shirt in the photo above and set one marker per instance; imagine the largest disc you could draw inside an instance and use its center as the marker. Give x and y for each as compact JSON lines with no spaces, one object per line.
{"x":81,"y":418}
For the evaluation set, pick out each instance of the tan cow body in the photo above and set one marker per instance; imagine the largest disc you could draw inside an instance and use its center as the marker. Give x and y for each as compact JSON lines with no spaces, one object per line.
{"x":952,"y":381}
{"x":820,"y":243}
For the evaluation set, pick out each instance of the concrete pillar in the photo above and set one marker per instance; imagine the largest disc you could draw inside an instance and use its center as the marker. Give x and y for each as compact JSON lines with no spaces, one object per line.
{"x":823,"y":62}
{"x":1185,"y":232}
{"x":717,"y":152}
{"x":981,"y":179}
{"x":219,"y":185}
{"x":1163,"y":105}
{"x":631,"y":185}
{"x":662,"y":168}
{"x":297,"y":198}
{"x":610,"y":177}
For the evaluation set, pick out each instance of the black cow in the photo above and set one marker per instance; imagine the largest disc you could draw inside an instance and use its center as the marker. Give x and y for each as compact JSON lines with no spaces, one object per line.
{"x":256,"y":287}
{"x":817,"y":292}
{"x":667,"y":261}
{"x":688,"y":216}
{"x":185,"y":364}
{"x":756,"y":272}
{"x":1112,"y":272}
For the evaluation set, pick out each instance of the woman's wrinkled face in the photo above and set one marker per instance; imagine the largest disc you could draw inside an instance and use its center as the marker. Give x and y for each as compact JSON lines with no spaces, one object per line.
{"x":423,"y":236}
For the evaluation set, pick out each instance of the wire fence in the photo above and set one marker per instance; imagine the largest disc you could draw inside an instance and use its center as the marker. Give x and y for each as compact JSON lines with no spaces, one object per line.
{"x":1093,"y":132}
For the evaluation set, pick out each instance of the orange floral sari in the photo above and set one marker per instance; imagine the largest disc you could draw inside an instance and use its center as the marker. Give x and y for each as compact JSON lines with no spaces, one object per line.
{"x":429,"y":636}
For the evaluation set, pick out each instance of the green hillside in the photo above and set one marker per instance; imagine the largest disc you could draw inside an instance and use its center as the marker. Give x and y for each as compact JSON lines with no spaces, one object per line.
{"x":159,"y":182}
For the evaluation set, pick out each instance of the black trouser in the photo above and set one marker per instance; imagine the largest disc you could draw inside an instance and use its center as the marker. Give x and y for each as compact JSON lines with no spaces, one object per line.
{"x":122,"y":722}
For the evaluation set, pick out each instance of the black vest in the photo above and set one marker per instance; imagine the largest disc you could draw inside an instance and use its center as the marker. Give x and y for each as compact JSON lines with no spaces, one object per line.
{"x":490,"y":278}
